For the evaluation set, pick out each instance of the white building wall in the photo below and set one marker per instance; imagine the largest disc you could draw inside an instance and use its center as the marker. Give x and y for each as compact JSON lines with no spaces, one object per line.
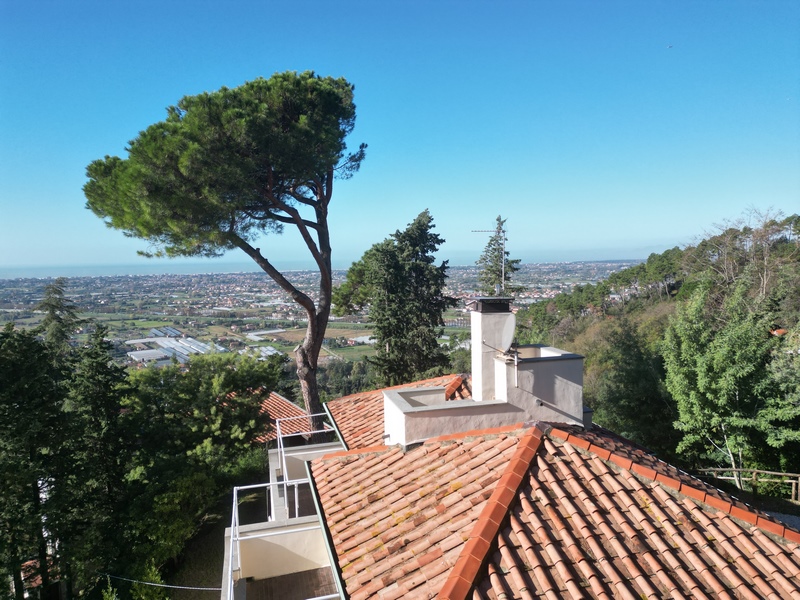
{"x":487,"y":330}
{"x":545,"y":385}
{"x":548,"y":389}
{"x":284,"y":549}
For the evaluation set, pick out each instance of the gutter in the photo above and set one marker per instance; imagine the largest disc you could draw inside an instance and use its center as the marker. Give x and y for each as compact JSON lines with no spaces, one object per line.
{"x":337,"y":573}
{"x":335,"y":427}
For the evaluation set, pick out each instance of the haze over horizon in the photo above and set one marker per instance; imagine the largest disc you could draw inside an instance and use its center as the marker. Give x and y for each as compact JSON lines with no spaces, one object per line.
{"x":166,"y":267}
{"x":600,"y":131}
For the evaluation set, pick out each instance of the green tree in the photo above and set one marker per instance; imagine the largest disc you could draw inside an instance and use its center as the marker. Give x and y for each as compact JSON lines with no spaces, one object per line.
{"x":630,"y":396}
{"x":341,"y":378}
{"x":760,"y":247}
{"x":228,"y":166}
{"x":496,"y":268}
{"x":90,"y":485}
{"x":780,"y":417}
{"x":151,"y":586}
{"x":190,"y":430}
{"x":535,"y":323}
{"x":404,"y":288}
{"x":716,"y":371}
{"x":60,"y":317}
{"x":109,"y":593}
{"x":31,"y":397}
{"x":661,"y":270}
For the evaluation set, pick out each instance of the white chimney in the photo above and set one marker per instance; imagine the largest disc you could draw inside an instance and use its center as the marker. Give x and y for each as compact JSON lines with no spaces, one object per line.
{"x":493,"y":326}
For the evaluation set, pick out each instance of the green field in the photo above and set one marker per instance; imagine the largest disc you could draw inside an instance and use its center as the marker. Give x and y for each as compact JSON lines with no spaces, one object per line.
{"x":138,"y":323}
{"x":350,"y":353}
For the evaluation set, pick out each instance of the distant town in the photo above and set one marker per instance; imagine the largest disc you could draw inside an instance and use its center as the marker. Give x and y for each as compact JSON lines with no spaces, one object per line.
{"x":156,"y":319}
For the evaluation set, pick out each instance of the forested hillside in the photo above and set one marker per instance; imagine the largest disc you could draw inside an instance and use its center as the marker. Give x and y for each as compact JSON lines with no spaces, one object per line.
{"x":694,"y":353}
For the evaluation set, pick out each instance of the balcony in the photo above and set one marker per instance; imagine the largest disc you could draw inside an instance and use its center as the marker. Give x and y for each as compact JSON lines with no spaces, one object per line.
{"x":275,"y":547}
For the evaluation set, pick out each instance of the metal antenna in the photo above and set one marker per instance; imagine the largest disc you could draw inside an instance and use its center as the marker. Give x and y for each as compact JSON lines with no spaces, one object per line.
{"x":499,"y":229}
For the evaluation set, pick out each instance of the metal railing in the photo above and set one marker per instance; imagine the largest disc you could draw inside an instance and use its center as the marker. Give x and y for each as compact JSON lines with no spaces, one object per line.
{"x":753,"y":478}
{"x":278,"y":493}
{"x":302,"y":430}
{"x":234,"y":550}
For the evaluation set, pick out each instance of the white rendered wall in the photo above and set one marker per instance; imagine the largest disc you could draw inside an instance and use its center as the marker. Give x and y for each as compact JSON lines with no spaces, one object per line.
{"x":546,"y":388}
{"x":287,"y":551}
{"x":412,"y":422}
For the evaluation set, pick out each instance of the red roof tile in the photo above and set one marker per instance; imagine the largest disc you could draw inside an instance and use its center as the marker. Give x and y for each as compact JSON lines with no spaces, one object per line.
{"x":405,"y":518}
{"x":359,"y":417}
{"x":278,"y":407}
{"x":584,"y":528}
{"x":530,"y":513}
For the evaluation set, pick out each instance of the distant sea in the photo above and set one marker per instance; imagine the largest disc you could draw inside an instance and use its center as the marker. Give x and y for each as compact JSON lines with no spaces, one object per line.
{"x":155,"y":268}
{"x":167,"y":267}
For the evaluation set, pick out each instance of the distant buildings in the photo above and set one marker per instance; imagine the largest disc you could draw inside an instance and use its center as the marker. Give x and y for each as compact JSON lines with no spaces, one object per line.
{"x":166,"y":345}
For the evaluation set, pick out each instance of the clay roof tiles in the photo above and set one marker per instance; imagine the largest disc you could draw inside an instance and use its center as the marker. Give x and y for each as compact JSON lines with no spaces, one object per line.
{"x":399,"y":521}
{"x":581,"y":526}
{"x":278,"y":407}
{"x":543,"y":512}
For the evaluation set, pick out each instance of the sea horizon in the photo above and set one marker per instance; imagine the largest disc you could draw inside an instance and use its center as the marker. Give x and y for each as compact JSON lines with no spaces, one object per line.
{"x":199,"y":268}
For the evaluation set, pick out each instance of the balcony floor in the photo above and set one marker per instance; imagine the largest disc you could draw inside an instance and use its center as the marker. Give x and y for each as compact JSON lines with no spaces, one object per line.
{"x":296,"y":586}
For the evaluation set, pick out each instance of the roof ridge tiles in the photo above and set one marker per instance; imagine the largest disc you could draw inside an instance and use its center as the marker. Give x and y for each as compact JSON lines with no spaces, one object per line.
{"x":464,"y":573}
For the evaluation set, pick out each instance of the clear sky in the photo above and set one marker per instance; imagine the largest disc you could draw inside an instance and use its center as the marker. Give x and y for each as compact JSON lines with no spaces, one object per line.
{"x":600,"y":130}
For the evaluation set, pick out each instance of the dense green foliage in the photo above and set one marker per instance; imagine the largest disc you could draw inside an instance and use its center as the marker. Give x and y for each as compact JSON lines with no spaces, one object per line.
{"x":722,"y":363}
{"x":109,"y":472}
{"x":341,"y":378}
{"x":228,"y":166}
{"x":495,"y":267}
{"x":694,"y":353}
{"x":404,"y":289}
{"x":60,"y":317}
{"x":29,"y":439}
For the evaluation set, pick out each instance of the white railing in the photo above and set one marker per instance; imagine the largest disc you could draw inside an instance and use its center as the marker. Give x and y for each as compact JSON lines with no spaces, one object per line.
{"x":277,"y":510}
{"x":308,"y":433}
{"x":234,"y":550}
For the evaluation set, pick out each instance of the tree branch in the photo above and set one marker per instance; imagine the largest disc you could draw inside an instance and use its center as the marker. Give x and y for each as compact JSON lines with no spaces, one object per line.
{"x":303,"y":229}
{"x":300,"y":197}
{"x":255,"y":253}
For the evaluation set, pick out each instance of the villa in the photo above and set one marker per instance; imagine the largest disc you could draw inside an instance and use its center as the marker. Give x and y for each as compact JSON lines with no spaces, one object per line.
{"x":489,"y":486}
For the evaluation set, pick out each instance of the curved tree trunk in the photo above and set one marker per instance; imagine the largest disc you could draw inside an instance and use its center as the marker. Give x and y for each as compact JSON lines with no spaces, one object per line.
{"x":307,"y":354}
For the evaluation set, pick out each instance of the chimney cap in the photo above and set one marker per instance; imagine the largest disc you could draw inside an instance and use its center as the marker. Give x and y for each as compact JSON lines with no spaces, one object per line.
{"x":491,"y":304}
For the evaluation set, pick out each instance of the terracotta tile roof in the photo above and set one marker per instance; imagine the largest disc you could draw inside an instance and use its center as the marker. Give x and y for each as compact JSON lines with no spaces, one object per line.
{"x":359,"y":417}
{"x":629,"y":455}
{"x":399,"y":521}
{"x":581,"y":526}
{"x":278,"y":407}
{"x":542,"y":511}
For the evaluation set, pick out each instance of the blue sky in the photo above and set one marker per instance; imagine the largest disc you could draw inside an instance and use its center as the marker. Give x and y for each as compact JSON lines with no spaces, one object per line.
{"x":600,"y":130}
